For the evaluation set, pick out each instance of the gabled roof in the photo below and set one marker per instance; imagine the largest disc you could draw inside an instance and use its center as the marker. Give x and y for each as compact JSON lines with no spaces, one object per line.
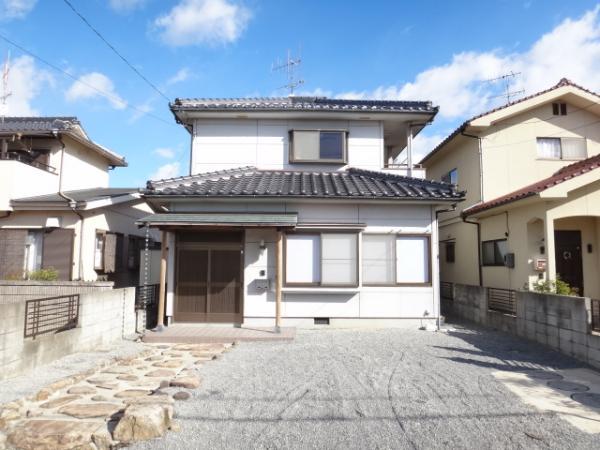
{"x":566,"y":173}
{"x":48,"y":125}
{"x":84,"y":198}
{"x":250,"y":182}
{"x":300,"y":104}
{"x":562,"y":83}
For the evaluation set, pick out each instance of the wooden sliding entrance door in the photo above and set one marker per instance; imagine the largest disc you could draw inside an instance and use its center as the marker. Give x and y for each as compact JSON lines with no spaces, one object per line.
{"x":208,"y":278}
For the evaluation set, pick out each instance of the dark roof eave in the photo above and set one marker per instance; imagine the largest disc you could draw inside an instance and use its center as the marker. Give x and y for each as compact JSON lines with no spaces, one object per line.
{"x":308,"y":197}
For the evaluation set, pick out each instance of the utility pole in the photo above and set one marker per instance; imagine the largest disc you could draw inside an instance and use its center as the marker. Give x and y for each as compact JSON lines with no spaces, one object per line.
{"x":291,"y":65}
{"x":5,"y":91}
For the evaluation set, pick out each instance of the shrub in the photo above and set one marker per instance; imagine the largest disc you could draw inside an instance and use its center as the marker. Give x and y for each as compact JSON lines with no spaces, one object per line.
{"x":49,"y":274}
{"x":557,"y":286}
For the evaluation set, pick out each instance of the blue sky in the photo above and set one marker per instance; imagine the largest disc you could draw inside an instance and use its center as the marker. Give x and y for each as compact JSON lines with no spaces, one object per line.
{"x":426,"y":50}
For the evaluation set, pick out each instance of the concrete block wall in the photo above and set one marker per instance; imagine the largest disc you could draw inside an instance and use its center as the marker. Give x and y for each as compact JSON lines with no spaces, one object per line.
{"x":105,"y":317}
{"x":560,"y":322}
{"x":22,"y":290}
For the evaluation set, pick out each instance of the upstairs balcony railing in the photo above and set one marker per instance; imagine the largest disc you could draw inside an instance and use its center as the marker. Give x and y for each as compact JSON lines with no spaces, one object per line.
{"x":25,"y":159}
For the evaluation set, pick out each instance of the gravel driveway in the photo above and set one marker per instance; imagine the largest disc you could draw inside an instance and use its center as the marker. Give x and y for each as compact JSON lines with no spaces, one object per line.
{"x":371,"y":389}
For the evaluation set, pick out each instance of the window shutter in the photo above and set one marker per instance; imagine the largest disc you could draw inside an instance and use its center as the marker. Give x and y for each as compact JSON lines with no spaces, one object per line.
{"x":12,"y":252}
{"x":110,"y":253}
{"x":58,"y":252}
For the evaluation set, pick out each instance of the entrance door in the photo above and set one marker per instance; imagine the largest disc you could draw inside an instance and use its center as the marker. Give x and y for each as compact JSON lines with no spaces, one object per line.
{"x":569,"y":267}
{"x":208,"y":283}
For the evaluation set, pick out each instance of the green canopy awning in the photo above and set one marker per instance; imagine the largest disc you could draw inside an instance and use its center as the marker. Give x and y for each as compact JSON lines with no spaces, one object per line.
{"x":221,"y":219}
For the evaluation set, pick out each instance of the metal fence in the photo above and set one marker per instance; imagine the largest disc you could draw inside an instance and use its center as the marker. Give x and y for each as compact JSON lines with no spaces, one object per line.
{"x":51,"y":315}
{"x":596,"y":315}
{"x":502,"y":300}
{"x":146,"y":298}
{"x":447,"y":290}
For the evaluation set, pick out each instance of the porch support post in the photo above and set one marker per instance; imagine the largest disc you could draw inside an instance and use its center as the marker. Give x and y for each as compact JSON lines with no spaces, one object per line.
{"x":550,"y":253}
{"x":163,"y":281}
{"x":409,"y":159}
{"x":278,"y":280}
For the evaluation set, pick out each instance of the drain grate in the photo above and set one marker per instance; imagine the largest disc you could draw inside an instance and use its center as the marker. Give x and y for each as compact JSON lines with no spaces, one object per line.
{"x":321,"y":320}
{"x":587,"y":399}
{"x":568,"y":386}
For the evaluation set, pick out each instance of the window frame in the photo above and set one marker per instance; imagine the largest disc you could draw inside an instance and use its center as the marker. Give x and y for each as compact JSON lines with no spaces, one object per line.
{"x":560,"y":140}
{"x":98,"y":233}
{"x":493,"y":241}
{"x":320,"y":284}
{"x":449,"y":176}
{"x":293,"y":160}
{"x":447,"y":245}
{"x":428,"y":283}
{"x":559,"y":109}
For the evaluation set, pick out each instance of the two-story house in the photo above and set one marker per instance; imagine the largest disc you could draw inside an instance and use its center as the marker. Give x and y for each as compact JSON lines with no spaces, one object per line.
{"x":295,"y":209}
{"x":56,"y":209}
{"x":532,"y":210}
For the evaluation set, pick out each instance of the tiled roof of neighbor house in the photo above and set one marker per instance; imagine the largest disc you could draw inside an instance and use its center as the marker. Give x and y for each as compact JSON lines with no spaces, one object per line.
{"x":564,"y":174}
{"x":465,"y":124}
{"x":81,"y":196}
{"x":50,"y":124}
{"x":300,"y":104}
{"x":349,"y":184}
{"x":245,"y":219}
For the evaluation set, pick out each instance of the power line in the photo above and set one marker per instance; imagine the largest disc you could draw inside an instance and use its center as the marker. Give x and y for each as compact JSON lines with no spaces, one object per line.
{"x":125,"y":60}
{"x":73,"y":77}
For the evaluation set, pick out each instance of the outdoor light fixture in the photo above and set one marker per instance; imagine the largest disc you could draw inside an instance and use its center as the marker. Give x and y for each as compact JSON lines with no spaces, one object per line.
{"x":262,"y":245}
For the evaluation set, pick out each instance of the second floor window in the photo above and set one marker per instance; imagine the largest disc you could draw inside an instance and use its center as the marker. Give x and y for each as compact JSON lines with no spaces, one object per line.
{"x":318,"y":146}
{"x":451,"y":177}
{"x":561,"y":148}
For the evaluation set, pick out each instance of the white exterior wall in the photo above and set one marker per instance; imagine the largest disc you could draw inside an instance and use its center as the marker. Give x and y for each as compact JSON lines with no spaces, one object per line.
{"x":82,"y":168}
{"x":231,"y":143}
{"x":344,"y":305}
{"x":21,"y":180}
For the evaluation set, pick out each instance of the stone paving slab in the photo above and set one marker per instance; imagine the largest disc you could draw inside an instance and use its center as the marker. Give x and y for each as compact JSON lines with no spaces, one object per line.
{"x":81,"y":411}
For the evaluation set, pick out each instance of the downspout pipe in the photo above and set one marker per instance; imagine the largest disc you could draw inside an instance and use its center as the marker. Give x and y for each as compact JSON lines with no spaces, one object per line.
{"x":71,"y":201}
{"x":439,"y":305}
{"x":478,"y":225}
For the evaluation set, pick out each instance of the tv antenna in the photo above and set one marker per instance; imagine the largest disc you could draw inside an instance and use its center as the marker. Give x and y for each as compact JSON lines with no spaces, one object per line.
{"x":291,"y":65}
{"x":5,"y":91}
{"x":507,"y":80}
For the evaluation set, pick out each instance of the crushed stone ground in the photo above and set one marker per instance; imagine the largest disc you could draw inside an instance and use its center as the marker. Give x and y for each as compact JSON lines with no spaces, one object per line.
{"x":372,"y":389}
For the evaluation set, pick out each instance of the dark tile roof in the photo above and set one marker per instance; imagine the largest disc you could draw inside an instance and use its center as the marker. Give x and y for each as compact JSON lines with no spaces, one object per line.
{"x":462,"y":127}
{"x":80,"y":196}
{"x":247,"y":182}
{"x":564,"y":174}
{"x":36,"y":124}
{"x":300,"y":104}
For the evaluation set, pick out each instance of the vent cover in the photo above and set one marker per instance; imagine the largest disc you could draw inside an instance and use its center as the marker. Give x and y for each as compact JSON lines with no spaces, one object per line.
{"x":321,"y":320}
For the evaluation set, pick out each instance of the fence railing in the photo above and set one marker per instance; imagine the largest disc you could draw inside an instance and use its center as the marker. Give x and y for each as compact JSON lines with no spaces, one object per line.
{"x":502,"y":300}
{"x":596,"y":315}
{"x":447,"y":290}
{"x":51,"y":315}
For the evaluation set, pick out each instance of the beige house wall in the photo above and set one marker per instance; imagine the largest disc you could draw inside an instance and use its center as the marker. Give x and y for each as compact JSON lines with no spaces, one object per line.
{"x":465,"y":268}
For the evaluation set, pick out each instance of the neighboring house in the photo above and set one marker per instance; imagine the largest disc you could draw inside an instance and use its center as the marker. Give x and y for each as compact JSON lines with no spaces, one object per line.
{"x":531,"y":174}
{"x":299,"y":202}
{"x":56,"y":209}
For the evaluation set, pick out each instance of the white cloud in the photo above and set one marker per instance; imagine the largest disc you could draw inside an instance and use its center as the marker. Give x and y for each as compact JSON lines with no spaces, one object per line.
{"x":93,"y":85}
{"x":571,"y":49}
{"x":169,"y":170}
{"x":196,"y":22}
{"x":165,"y":152}
{"x":125,"y":6}
{"x":318,"y":92}
{"x":25,"y":82}
{"x":15,"y":9}
{"x":423,"y":144}
{"x":182,"y":74}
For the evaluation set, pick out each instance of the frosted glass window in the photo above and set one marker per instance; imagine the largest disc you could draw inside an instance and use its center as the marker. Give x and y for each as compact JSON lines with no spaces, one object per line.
{"x":573,"y":148}
{"x":306,"y":145}
{"x":412,"y":259}
{"x":339,"y":259}
{"x":303,"y":259}
{"x":378,"y":255}
{"x":548,"y":148}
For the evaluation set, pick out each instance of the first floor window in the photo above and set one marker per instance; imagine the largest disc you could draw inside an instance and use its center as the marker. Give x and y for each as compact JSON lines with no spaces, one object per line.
{"x":321,"y":259}
{"x":450,"y":252}
{"x":395,"y":259}
{"x":99,"y":251}
{"x":493,"y":252}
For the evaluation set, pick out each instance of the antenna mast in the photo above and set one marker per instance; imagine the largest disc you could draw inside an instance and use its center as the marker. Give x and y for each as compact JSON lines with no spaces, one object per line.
{"x":507,"y":80}
{"x":290,"y":66}
{"x":5,"y":92}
